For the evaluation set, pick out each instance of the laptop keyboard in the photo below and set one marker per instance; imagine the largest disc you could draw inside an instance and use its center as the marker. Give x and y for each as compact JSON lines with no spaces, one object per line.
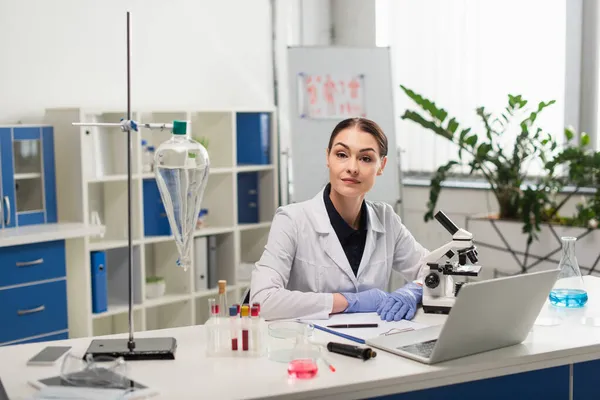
{"x":423,"y":349}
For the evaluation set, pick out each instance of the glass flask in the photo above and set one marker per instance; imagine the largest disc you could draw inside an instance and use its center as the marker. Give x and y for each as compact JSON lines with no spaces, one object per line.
{"x":181,"y":170}
{"x":569,"y":290}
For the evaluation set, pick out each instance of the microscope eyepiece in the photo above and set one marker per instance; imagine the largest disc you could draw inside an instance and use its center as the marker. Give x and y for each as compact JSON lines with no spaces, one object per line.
{"x":446,"y":222}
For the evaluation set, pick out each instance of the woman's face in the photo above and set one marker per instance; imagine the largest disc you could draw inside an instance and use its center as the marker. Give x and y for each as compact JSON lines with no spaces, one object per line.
{"x":354,"y":162}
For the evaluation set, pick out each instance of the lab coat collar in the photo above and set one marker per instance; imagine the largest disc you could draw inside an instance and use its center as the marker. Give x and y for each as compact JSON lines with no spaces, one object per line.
{"x":321,"y":221}
{"x":331,"y":244}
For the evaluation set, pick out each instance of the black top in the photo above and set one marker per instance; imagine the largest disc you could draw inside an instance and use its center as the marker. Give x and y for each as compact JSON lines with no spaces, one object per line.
{"x":352,"y":241}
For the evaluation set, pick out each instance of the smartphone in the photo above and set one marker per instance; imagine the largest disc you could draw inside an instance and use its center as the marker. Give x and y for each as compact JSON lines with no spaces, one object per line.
{"x":49,"y":355}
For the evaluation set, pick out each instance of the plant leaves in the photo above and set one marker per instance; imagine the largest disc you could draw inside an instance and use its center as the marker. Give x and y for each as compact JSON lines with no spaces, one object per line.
{"x":436,"y":187}
{"x":584,"y":140}
{"x":452,"y":126}
{"x":471,"y":140}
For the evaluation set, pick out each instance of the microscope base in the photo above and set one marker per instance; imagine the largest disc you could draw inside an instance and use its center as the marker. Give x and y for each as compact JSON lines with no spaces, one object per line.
{"x":437,"y":305}
{"x":436,"y":309}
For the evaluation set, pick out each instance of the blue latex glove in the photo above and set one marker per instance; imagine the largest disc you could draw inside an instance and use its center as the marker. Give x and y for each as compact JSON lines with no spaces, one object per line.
{"x":401,"y":304}
{"x":367,"y":301}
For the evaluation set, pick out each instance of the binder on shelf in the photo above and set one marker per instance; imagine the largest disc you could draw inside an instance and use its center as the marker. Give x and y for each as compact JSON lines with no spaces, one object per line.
{"x":212,"y":262}
{"x":99,"y":282}
{"x":253,"y":138}
{"x":156,"y":222}
{"x":248,"y":198}
{"x":201,"y":263}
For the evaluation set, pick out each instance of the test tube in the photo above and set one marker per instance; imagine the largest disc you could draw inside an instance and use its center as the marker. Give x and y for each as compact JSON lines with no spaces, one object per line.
{"x":223,"y":308}
{"x":255,"y":326}
{"x":245,"y":327}
{"x":234,"y":323}
{"x":213,"y":328}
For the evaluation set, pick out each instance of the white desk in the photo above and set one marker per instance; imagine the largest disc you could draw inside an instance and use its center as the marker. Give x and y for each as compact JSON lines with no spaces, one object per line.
{"x":541,"y":366}
{"x":47,"y":232}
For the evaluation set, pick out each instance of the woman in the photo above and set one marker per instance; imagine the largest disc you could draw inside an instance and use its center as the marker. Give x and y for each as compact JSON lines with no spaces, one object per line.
{"x":335,"y":252}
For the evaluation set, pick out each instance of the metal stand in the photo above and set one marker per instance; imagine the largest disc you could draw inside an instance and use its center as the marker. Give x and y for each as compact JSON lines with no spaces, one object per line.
{"x":143,"y":348}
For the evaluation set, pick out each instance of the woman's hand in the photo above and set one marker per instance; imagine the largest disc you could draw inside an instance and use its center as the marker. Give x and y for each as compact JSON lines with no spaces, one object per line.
{"x":401,"y":304}
{"x":339,"y":303}
{"x":366,"y":301}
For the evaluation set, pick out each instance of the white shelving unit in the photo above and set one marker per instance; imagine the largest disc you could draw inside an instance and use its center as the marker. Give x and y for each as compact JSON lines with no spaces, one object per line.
{"x":92,"y":177}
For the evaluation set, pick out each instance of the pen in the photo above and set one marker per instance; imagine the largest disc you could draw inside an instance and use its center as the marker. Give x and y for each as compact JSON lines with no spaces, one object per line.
{"x":354,"y":326}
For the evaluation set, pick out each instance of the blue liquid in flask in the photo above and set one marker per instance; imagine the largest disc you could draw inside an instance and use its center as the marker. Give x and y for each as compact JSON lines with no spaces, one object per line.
{"x":570,"y":298}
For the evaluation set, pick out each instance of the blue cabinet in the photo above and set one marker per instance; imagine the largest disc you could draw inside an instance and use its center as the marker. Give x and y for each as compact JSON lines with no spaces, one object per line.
{"x":27,"y":170}
{"x":33,"y":292}
{"x":253,"y":138}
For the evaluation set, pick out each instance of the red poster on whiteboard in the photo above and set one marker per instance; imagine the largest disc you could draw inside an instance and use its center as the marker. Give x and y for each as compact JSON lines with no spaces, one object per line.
{"x":336,"y":96}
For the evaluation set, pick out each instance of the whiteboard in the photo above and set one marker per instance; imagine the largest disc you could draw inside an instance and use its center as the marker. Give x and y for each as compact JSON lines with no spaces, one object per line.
{"x":313,"y":115}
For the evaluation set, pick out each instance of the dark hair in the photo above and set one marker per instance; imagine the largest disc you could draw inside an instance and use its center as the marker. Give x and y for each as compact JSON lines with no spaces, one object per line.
{"x":365,"y":125}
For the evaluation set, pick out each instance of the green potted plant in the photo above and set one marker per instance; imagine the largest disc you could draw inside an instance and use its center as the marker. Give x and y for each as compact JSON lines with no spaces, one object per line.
{"x":155,"y":287}
{"x":531,"y":201}
{"x":203,"y":140}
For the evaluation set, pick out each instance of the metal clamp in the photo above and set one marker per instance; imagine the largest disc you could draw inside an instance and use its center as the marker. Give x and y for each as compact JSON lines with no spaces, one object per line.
{"x":30,"y":263}
{"x":31,"y":310}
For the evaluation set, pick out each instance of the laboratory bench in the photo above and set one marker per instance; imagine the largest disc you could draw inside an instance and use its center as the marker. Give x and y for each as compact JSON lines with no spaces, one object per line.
{"x":554,"y":362}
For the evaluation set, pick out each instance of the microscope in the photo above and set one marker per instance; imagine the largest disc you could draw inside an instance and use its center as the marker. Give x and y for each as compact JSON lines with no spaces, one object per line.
{"x":440,"y":288}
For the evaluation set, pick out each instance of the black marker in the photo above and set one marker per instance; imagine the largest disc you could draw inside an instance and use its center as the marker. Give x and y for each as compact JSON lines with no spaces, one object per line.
{"x":349,"y":350}
{"x":353,"y":326}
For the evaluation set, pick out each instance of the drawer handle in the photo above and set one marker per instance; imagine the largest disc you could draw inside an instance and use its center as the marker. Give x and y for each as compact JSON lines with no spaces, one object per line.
{"x":31,"y":310}
{"x":252,"y":205}
{"x":7,"y":210}
{"x":252,"y":191}
{"x":30,"y":263}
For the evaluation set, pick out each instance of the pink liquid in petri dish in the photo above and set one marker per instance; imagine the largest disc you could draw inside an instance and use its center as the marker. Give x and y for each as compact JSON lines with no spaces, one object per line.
{"x":302,"y":369}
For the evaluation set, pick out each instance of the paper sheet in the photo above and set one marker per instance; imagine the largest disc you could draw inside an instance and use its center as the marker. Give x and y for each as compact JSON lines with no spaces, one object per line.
{"x":384,"y":327}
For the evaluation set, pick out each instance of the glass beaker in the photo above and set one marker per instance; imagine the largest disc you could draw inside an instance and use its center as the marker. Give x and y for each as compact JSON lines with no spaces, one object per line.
{"x":569,"y":289}
{"x":304,"y":357}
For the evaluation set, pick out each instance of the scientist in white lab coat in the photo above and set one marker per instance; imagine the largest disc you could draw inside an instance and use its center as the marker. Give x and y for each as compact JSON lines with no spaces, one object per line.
{"x":335,"y":253}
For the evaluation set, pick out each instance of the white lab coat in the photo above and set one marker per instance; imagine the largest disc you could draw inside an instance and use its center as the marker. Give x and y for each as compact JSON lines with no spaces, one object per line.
{"x":303,"y":263}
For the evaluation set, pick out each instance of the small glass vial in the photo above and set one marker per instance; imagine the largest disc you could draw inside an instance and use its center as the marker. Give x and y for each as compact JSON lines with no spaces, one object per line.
{"x":255,"y":342}
{"x":245,"y":328}
{"x":223,"y":308}
{"x":234,"y":326}
{"x":213,"y":344}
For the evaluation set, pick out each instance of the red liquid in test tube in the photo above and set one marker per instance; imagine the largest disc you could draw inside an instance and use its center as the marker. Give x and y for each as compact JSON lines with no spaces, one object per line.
{"x":245,"y":327}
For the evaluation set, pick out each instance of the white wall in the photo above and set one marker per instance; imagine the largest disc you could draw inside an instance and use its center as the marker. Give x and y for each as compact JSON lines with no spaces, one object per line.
{"x":298,"y":23}
{"x":353,"y":22}
{"x":195,"y":54}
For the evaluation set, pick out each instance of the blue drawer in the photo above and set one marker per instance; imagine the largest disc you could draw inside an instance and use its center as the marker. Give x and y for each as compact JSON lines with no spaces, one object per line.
{"x":32,"y":262}
{"x":33,"y":310}
{"x":47,"y":338}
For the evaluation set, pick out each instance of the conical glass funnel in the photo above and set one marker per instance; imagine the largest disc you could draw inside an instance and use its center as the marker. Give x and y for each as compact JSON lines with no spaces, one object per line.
{"x":569,"y":289}
{"x":181,"y":168}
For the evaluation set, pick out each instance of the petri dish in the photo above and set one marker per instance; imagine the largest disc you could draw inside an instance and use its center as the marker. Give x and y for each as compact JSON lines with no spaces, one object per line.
{"x":289,"y":329}
{"x":284,"y":337}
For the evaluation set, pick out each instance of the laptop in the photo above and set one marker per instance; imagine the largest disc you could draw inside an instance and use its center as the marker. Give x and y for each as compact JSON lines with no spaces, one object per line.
{"x":486,"y":315}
